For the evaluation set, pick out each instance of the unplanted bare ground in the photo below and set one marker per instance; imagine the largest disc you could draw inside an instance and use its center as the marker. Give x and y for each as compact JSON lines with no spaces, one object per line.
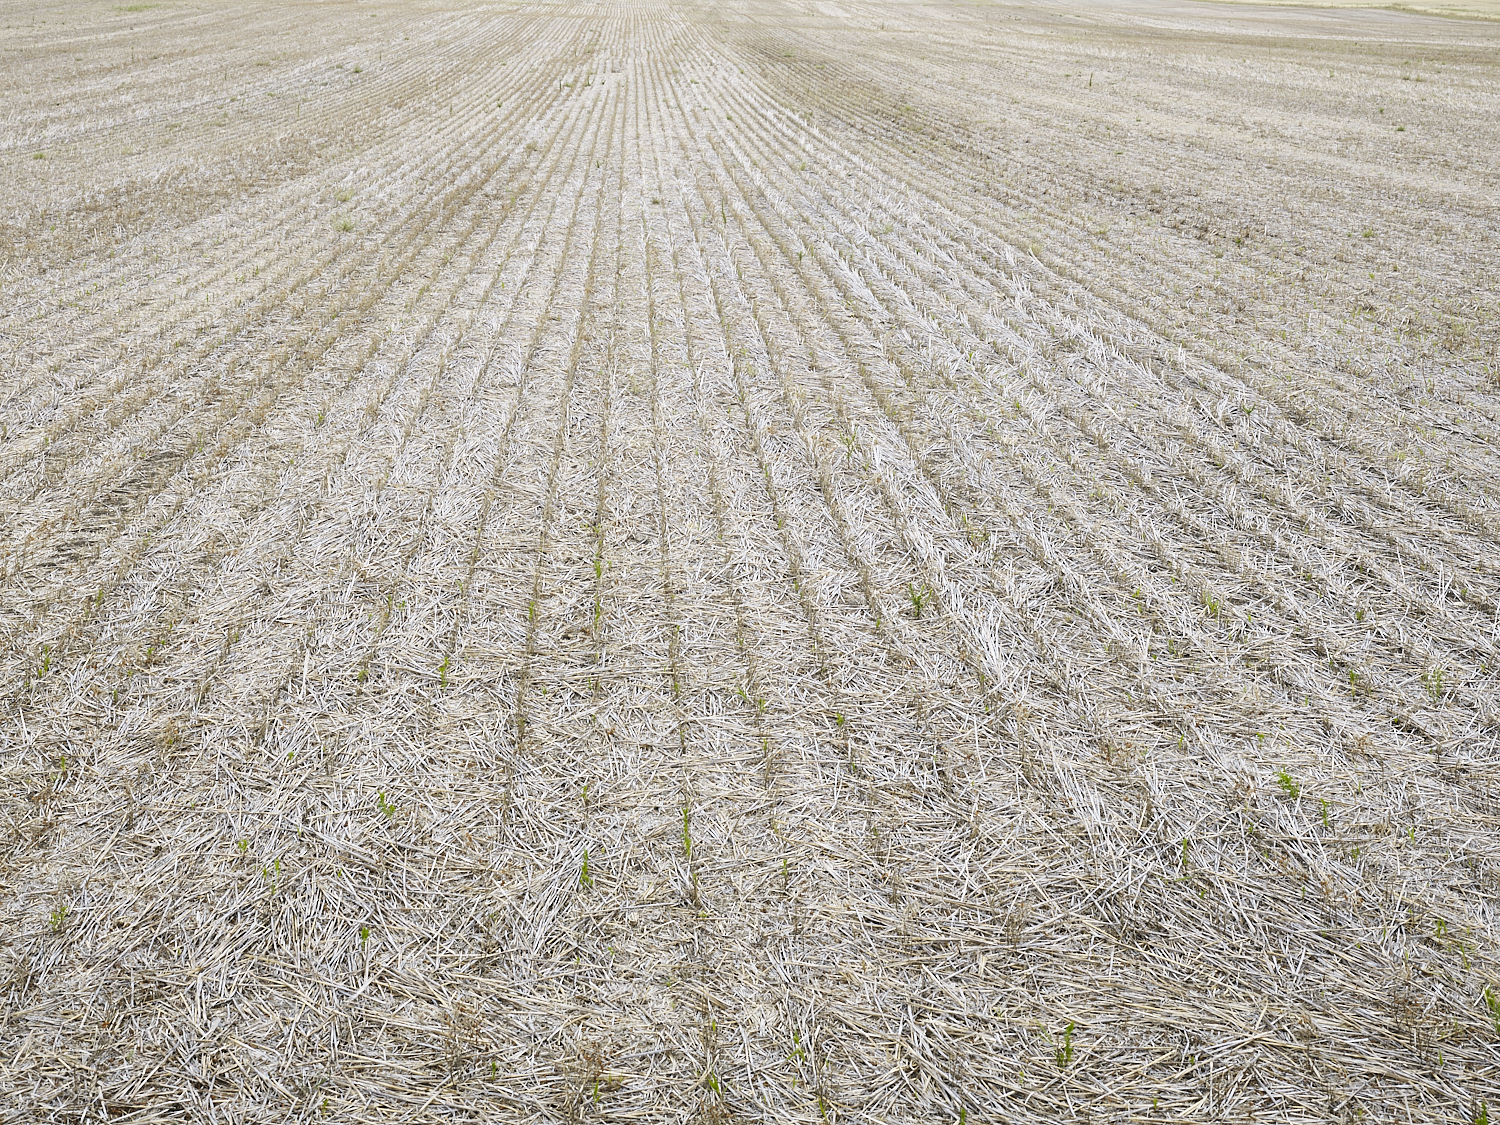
{"x":850,"y":562}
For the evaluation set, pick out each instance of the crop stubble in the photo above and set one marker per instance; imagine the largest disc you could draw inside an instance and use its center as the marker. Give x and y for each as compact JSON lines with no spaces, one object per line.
{"x":865,"y":562}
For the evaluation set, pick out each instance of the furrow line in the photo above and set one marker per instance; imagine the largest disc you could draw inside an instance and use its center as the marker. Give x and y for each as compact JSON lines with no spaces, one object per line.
{"x":1123,"y":303}
{"x":938,"y":236}
{"x":418,"y":218}
{"x":973,"y":639}
{"x":906,"y":368}
{"x":285,"y":542}
{"x":399,"y":572}
{"x":329,"y":338}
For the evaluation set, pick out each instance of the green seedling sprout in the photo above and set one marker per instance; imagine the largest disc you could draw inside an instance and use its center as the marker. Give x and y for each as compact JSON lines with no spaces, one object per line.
{"x":919,"y":597}
{"x":1432,"y":680}
{"x":1065,"y":1051}
{"x":1288,"y":784}
{"x":797,"y":1052}
{"x":584,"y":878}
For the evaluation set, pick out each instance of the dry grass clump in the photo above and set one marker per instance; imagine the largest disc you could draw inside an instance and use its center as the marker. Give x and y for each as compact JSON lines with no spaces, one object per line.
{"x":668,"y":562}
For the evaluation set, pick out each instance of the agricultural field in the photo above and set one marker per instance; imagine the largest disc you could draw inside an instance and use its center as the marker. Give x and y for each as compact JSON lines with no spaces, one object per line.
{"x":795,"y":561}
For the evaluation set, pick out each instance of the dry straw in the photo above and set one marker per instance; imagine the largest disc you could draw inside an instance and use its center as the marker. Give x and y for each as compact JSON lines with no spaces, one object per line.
{"x":674,"y":562}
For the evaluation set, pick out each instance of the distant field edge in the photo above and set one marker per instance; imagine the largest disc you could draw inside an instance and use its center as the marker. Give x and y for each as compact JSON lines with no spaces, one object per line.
{"x":1480,"y":10}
